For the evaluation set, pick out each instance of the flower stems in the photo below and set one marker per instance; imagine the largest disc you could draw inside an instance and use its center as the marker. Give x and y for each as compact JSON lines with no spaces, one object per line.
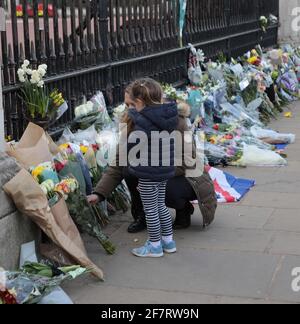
{"x":87,"y":219}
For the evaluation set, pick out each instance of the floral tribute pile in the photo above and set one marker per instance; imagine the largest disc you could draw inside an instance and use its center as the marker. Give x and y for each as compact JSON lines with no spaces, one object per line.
{"x":233,"y":102}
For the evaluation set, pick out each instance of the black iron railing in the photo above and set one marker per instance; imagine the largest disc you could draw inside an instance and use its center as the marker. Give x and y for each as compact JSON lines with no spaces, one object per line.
{"x":104,"y":44}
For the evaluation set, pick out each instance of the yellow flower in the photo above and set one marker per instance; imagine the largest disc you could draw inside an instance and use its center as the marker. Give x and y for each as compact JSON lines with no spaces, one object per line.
{"x":84,"y":149}
{"x":213,"y":140}
{"x":64,"y":146}
{"x":254,"y":53}
{"x":38,"y":171}
{"x":252,"y":59}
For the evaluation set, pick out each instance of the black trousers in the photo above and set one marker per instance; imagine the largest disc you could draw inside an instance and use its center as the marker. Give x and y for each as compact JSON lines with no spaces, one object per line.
{"x":179,"y":193}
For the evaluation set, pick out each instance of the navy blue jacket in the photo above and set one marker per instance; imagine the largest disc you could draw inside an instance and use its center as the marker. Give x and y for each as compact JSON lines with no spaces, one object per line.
{"x":157,"y":118}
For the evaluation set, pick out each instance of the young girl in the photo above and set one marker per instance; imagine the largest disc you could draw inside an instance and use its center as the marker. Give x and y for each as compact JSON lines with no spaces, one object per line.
{"x":151,"y":115}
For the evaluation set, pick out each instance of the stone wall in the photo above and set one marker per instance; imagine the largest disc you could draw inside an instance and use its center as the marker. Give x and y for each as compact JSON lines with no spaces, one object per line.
{"x":15,"y":229}
{"x":289,"y":15}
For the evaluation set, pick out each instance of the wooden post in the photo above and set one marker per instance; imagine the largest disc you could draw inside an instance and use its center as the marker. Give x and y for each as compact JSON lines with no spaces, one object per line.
{"x":2,"y":140}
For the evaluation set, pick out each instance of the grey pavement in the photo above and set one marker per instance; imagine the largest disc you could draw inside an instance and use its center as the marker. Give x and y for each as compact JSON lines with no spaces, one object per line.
{"x":246,"y":256}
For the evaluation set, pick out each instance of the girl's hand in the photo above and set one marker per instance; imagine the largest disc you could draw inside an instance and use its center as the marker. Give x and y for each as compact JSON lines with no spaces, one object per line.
{"x":93,"y":199}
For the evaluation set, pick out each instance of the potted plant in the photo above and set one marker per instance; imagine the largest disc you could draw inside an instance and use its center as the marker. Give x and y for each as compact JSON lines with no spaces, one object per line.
{"x":41,"y":107}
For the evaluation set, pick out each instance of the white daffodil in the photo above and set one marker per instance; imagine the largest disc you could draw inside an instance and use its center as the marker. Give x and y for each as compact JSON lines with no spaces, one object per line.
{"x":43,"y":66}
{"x":41,"y":84}
{"x":26,"y":63}
{"x":42,"y":72}
{"x":21,"y":75}
{"x":21,"y":72}
{"x":35,"y":77}
{"x":29,"y":72}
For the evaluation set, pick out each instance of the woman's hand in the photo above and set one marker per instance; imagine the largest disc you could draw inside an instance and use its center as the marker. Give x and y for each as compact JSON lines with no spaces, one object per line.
{"x":93,"y":199}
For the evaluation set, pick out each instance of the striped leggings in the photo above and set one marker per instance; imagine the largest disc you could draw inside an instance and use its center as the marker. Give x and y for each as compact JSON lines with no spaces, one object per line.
{"x":158,"y":217}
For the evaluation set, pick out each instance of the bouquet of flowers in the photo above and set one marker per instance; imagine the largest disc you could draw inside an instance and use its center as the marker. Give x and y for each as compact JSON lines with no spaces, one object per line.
{"x":87,"y":219}
{"x":54,"y":188}
{"x":34,"y":281}
{"x":267,"y":109}
{"x":49,"y":271}
{"x":172,"y":93}
{"x":94,"y":155}
{"x":84,"y":110}
{"x":41,"y":106}
{"x":196,"y":58}
{"x":232,"y":83}
{"x":120,"y":198}
{"x":254,"y":60}
{"x":255,"y":156}
{"x":71,"y":161}
{"x":90,"y":219}
{"x":93,"y":112}
{"x":83,"y":167}
{"x":289,"y":86}
{"x":215,"y":71}
{"x":222,"y":148}
{"x":66,"y":187}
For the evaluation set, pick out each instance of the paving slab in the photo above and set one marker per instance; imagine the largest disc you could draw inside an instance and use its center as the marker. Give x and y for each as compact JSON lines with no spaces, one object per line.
{"x":192,"y":270}
{"x":214,"y":238}
{"x":236,"y":216}
{"x":271,"y":200}
{"x":280,"y":220}
{"x":285,"y":243}
{"x":118,"y":295}
{"x":284,"y":284}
